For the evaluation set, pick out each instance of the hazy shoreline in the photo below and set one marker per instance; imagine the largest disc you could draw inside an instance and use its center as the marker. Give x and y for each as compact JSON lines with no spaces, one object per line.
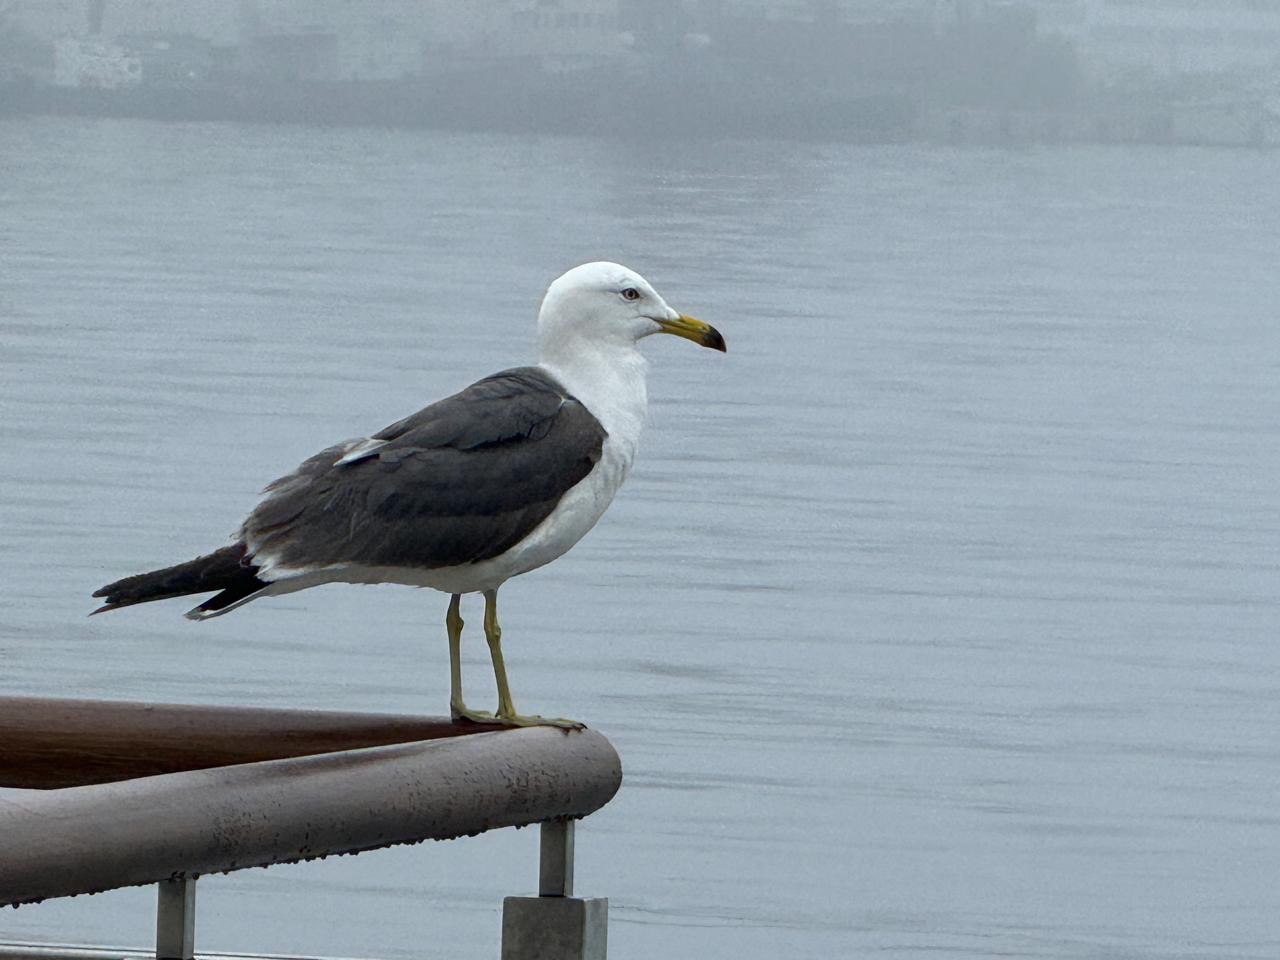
{"x":644,"y":109}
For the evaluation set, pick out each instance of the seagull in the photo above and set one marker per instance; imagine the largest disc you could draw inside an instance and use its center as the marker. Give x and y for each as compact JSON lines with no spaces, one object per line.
{"x":465,"y":494}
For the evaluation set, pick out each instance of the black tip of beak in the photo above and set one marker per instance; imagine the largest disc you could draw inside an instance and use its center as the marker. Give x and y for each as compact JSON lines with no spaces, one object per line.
{"x":714,"y":340}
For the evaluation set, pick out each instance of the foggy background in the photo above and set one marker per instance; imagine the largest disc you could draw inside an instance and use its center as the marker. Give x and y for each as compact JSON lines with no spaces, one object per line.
{"x":985,"y":71}
{"x":938,"y":618}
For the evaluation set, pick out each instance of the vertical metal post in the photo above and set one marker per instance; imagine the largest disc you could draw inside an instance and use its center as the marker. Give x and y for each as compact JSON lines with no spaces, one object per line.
{"x":176,"y":919}
{"x":555,"y":859}
{"x":555,"y":925}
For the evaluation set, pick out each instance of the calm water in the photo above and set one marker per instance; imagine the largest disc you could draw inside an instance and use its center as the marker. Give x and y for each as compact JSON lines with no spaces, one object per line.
{"x":938,"y":618}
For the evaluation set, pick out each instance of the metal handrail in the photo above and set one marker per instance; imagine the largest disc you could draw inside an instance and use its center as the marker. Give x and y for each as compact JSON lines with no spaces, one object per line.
{"x":17,"y":950}
{"x":56,"y":742}
{"x":203,"y":819}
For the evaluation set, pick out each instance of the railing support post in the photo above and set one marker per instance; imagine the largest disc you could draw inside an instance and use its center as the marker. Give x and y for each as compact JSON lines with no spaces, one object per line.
{"x":555,"y":925}
{"x":555,"y":859}
{"x":176,"y":919}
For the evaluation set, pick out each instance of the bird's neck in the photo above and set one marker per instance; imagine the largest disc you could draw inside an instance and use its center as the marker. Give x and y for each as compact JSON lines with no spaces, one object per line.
{"x":609,"y":380}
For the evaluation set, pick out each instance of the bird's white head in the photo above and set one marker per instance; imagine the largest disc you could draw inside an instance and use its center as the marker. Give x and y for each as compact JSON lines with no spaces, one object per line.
{"x":606,"y":307}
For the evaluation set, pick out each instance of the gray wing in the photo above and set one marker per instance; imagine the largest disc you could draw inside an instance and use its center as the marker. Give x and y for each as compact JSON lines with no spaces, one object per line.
{"x":461,"y":481}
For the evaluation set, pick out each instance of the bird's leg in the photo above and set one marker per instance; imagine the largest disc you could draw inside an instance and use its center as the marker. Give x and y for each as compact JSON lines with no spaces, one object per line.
{"x":506,"y":707}
{"x":457,"y":708}
{"x":493,"y":634}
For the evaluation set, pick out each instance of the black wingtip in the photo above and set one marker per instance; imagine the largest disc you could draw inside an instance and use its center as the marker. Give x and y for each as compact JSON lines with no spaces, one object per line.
{"x":112,"y":604}
{"x":109,"y":605}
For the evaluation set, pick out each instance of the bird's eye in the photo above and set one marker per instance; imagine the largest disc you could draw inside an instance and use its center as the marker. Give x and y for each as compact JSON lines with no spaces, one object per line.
{"x":630,"y":293}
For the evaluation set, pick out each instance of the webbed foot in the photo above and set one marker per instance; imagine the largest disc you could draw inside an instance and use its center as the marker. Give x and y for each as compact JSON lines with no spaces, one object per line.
{"x":465,"y":714}
{"x":520,"y":720}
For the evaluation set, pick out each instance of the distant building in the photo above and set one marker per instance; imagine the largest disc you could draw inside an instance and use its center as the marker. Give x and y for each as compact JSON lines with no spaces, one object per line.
{"x":52,"y":19}
{"x":311,"y":39}
{"x":91,"y":63}
{"x":175,"y":59}
{"x":1168,"y":38}
{"x":817,"y":11}
{"x":564,"y":35}
{"x":333,"y":39}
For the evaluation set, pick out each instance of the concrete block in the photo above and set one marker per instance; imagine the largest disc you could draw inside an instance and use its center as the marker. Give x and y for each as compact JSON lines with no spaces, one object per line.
{"x":555,"y":928}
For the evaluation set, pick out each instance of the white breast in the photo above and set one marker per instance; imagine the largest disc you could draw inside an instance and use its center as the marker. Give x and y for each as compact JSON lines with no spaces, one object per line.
{"x":575,"y":514}
{"x":615,"y":394}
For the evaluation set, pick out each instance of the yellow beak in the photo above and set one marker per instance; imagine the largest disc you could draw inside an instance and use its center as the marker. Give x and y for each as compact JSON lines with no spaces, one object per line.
{"x":703,"y":334}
